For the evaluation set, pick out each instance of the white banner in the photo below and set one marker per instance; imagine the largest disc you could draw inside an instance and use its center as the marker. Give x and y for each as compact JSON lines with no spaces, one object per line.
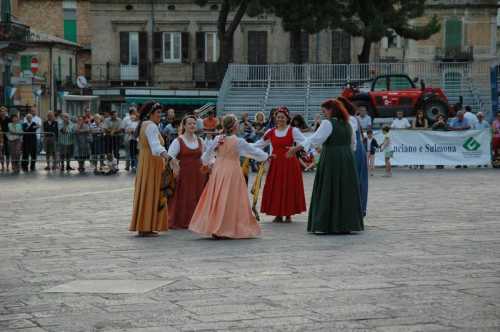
{"x":422,"y":147}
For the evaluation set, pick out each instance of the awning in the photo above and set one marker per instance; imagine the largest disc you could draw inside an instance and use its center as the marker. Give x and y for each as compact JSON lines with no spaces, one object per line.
{"x":172,"y":101}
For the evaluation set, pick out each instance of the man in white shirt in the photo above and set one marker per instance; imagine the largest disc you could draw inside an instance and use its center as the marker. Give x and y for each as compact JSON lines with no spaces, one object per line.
{"x":38,"y":121}
{"x":471,"y":117}
{"x":364,"y":119}
{"x":400,"y":122}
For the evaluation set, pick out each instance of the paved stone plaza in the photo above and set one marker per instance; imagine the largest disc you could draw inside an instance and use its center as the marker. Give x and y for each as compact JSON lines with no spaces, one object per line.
{"x":428,"y":261}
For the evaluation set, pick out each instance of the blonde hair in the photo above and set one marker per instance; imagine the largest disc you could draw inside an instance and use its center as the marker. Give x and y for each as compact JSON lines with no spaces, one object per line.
{"x":228,"y":123}
{"x":260,"y":114}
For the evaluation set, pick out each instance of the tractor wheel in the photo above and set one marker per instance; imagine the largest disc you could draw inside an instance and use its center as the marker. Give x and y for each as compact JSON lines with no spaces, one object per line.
{"x":366,"y":105}
{"x":433,"y":108}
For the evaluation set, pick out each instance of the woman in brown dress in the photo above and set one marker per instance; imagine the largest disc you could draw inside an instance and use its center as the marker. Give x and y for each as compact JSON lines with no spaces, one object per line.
{"x":186,"y":151}
{"x":150,"y":214}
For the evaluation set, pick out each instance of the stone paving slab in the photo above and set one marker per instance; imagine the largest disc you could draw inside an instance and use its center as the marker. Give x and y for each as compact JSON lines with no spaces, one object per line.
{"x":429,"y":260}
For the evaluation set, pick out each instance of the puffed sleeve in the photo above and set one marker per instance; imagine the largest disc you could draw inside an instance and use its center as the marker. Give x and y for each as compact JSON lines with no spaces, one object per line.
{"x":174,"y":148}
{"x":298,"y":137}
{"x":152,"y":132}
{"x":249,"y":150}
{"x":208,"y":154}
{"x":320,"y":136}
{"x":264,"y":141}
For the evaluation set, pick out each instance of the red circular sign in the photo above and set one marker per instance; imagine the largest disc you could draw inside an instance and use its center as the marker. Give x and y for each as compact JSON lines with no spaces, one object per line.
{"x":34,"y":65}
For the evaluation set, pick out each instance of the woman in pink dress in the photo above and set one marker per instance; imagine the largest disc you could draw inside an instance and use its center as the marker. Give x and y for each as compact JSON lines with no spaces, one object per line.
{"x":223,"y":210}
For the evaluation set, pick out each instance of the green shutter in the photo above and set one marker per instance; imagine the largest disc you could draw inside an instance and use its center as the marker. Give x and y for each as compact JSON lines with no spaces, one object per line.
{"x":25,"y":62}
{"x":453,"y":38}
{"x":70,"y":30}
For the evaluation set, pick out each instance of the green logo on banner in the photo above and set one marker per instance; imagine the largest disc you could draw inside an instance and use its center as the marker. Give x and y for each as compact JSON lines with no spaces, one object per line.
{"x":471,"y":144}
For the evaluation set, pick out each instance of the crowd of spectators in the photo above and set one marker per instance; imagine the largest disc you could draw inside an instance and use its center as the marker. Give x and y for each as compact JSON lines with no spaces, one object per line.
{"x":102,"y":141}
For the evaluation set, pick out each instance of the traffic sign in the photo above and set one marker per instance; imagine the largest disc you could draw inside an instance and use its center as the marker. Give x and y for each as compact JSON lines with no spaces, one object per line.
{"x":34,"y":65}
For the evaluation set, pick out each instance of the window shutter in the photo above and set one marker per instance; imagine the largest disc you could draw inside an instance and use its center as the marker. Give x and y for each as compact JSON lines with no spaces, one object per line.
{"x":304,"y":51}
{"x":124,"y":48}
{"x":158,"y":47}
{"x":185,"y":46}
{"x":143,"y":55}
{"x":200,"y":46}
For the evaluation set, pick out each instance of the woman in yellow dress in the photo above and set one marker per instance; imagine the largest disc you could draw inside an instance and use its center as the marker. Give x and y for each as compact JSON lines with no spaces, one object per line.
{"x":150,"y":214}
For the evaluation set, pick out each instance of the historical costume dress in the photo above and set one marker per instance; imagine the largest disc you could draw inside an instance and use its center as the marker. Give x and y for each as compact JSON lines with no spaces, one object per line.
{"x":284,"y":188}
{"x":189,"y":183}
{"x":335,"y":202}
{"x":361,"y":163}
{"x":150,"y":211}
{"x":224,"y":207}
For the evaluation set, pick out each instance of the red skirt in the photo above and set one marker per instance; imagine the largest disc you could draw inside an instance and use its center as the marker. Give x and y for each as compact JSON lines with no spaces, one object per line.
{"x":284,"y":189}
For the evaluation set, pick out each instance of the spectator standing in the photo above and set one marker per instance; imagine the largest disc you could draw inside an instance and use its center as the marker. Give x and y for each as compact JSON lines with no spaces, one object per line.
{"x":420,"y":121}
{"x":4,"y":129}
{"x":259,"y":125}
{"x":400,"y":122}
{"x":112,"y":136}
{"x":388,"y":152}
{"x":365,"y":120}
{"x":371,"y":147}
{"x":126,"y":123}
{"x":247,"y":131}
{"x":471,"y":117}
{"x":440,"y":124}
{"x":82,"y":142}
{"x":66,"y":140}
{"x":15,"y":139}
{"x":460,"y":122}
{"x":50,"y":132}
{"x":495,"y":126}
{"x":38,"y":121}
{"x":210,"y":123}
{"x":168,"y":127}
{"x":132,"y":140}
{"x":97,"y":144}
{"x":30,"y":143}
{"x":88,"y":117}
{"x":481,"y":122}
{"x":2,"y":141}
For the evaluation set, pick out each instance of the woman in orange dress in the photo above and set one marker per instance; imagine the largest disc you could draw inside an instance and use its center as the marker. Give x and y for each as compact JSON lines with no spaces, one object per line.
{"x":150,"y":214}
{"x":186,"y":151}
{"x":223,"y":210}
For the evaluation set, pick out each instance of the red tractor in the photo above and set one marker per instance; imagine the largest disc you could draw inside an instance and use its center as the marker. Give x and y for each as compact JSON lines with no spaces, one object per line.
{"x":389,"y":94}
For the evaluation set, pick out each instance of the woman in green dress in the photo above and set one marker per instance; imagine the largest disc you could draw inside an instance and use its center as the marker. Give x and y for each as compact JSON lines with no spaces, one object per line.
{"x":335,"y":203}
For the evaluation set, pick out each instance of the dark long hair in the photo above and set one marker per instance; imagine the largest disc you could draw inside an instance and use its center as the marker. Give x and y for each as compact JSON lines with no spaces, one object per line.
{"x":299,"y":122}
{"x":350,"y":107}
{"x":339,"y":111}
{"x":145,"y":113}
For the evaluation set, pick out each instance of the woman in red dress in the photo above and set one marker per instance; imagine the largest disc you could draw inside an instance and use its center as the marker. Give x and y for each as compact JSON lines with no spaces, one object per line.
{"x":186,"y":151}
{"x":283,"y":194}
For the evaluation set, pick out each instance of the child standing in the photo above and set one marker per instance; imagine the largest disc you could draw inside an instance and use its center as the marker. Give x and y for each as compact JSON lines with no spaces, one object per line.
{"x":388,"y":152}
{"x":371,"y":148}
{"x":1,"y":150}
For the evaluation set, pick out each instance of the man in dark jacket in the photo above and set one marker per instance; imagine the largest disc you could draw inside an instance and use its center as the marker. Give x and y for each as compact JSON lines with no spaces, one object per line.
{"x":50,"y":132}
{"x":29,"y":143}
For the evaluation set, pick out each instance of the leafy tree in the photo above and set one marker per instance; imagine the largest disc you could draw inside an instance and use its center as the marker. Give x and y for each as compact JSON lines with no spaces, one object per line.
{"x":226,"y":26}
{"x":373,"y":20}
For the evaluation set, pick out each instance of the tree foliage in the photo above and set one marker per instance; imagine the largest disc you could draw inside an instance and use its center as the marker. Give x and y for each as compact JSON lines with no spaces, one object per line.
{"x":374,"y":20}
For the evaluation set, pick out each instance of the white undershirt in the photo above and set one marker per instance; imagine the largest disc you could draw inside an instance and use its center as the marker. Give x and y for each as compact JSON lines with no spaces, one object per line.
{"x":321,"y":135}
{"x":298,"y":137}
{"x":175,"y":147}
{"x":152,"y":134}
{"x":245,"y":149}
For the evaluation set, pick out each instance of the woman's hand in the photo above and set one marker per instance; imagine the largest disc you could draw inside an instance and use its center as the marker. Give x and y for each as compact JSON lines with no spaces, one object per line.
{"x":176,"y":168}
{"x":292,"y":151}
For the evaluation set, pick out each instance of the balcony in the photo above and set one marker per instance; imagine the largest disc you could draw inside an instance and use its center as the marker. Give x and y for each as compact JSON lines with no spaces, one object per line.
{"x":455,"y":54}
{"x":113,"y":74}
{"x":14,"y":32}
